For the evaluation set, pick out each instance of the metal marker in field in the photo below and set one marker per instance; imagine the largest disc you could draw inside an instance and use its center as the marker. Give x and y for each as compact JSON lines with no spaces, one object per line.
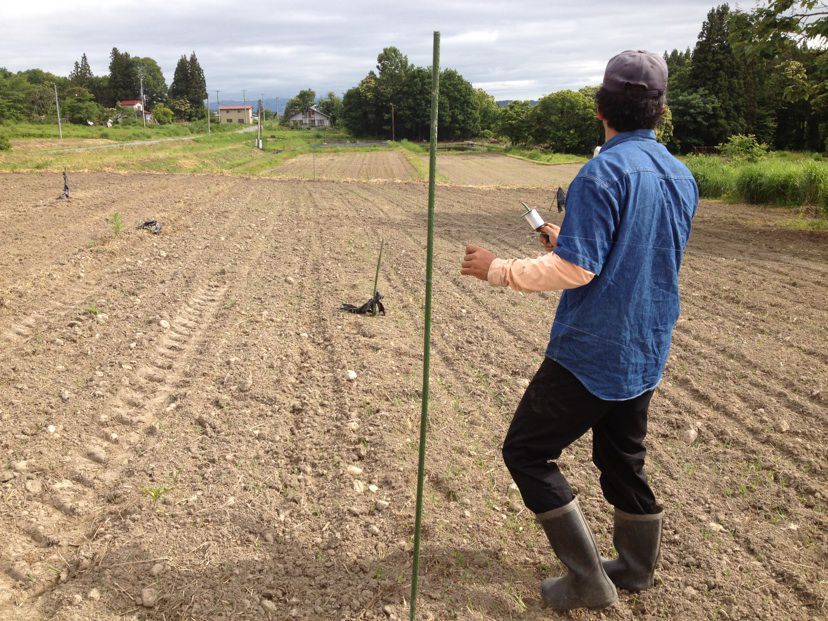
{"x":432,"y":173}
{"x":375,"y":307}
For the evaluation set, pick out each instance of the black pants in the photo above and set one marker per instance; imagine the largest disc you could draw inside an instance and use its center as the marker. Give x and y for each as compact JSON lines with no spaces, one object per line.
{"x":555,"y":411}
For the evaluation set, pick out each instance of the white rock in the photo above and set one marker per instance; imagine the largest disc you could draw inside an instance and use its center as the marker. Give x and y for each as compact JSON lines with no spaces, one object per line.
{"x":715,"y":527}
{"x":20,"y":466}
{"x":51,"y":429}
{"x":373,"y":488}
{"x":354,"y":470}
{"x":782,"y":425}
{"x":94,"y":595}
{"x":149,"y":597}
{"x":353,"y":425}
{"x":512,"y":490}
{"x":164,"y":324}
{"x":157,"y":569}
{"x":352,"y":375}
{"x":269,"y":606}
{"x":374,"y":529}
{"x":359,"y":486}
{"x":289,"y":280}
{"x":382,"y":505}
{"x":34,"y":486}
{"x":689,"y":435}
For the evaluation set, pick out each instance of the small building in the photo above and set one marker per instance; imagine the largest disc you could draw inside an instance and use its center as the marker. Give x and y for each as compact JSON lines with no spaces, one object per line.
{"x":310,"y":117}
{"x":135,"y":104}
{"x":236,"y":114}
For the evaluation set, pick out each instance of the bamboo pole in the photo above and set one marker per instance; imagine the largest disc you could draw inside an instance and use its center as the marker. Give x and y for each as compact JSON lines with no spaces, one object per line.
{"x":432,"y":174}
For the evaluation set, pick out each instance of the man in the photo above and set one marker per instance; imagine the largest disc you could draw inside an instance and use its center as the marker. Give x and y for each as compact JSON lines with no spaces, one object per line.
{"x":617,"y":256}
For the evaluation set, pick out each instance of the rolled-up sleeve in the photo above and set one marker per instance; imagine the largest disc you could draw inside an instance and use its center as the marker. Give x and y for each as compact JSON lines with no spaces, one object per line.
{"x":547,"y":273}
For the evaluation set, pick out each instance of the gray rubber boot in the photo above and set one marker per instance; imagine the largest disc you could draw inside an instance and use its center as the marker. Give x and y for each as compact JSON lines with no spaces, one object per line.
{"x":638,"y":541}
{"x":586,"y":585}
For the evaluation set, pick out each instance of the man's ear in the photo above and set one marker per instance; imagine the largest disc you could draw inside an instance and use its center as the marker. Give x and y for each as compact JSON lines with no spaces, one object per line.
{"x":598,"y":114}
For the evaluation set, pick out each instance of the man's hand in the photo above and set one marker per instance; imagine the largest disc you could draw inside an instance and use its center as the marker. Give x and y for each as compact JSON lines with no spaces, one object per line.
{"x":549,"y":236}
{"x":476,"y":262}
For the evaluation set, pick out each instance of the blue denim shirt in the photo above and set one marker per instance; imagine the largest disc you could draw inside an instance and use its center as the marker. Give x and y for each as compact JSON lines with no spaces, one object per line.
{"x":628,"y":215}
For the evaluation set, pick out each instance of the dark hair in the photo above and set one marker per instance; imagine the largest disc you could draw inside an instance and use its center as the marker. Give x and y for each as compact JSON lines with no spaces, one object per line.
{"x":627,"y":111}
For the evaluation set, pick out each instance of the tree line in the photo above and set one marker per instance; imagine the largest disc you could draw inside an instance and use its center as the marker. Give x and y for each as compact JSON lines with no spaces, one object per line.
{"x":29,"y":95}
{"x":762,"y":72}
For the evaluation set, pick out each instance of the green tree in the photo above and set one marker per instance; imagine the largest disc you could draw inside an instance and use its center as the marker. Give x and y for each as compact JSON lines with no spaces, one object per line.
{"x":564,"y":122}
{"x":332,"y":106}
{"x":155,"y":87}
{"x":514,"y":122}
{"x":162,"y":114}
{"x":83,"y":111}
{"x":181,"y":108}
{"x":691,"y":112}
{"x":123,"y":75}
{"x":487,"y":111}
{"x":459,"y":117}
{"x":81,"y":74}
{"x":715,"y":68}
{"x":304,"y":99}
{"x":196,"y":86}
{"x":414,"y":107}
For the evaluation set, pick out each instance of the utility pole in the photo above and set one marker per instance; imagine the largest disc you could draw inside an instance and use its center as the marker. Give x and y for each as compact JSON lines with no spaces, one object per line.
{"x":393,"y":129}
{"x":143,"y":102}
{"x":57,"y":105}
{"x":259,"y":143}
{"x":208,"y":114}
{"x":244,"y":97}
{"x":218,"y":107}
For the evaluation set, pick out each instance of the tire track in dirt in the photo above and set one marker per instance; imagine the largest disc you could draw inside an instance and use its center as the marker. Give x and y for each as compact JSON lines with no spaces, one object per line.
{"x":99,"y":465}
{"x":42,"y":320}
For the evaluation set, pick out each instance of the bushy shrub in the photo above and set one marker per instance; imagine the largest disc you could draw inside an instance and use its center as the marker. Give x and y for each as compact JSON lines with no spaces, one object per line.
{"x":714,"y":178}
{"x":743,"y":148}
{"x":5,"y":145}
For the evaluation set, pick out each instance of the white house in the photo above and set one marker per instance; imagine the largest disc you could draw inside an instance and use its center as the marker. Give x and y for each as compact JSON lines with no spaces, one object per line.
{"x":136,"y":105}
{"x":310,"y":117}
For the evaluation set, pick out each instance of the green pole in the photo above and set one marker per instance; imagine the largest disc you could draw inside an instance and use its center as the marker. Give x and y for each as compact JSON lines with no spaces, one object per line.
{"x":374,"y":308}
{"x":432,"y":174}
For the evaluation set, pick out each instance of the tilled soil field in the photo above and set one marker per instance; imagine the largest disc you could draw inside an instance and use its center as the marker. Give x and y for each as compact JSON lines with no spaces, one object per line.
{"x":493,"y":169}
{"x":181,"y":438}
{"x":360,"y":165}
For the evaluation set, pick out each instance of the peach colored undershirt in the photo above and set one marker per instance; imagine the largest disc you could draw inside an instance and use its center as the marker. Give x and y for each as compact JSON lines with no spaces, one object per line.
{"x":546,"y":273}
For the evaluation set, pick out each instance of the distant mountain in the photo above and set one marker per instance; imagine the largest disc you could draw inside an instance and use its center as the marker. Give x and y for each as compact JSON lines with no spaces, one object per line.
{"x":505,"y":102}
{"x":269,"y":103}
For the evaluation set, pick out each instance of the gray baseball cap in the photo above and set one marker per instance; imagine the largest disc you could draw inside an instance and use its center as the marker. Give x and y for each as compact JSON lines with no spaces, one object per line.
{"x":636,"y":72}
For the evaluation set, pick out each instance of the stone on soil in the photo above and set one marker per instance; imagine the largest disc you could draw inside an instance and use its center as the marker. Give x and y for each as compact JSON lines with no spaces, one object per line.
{"x":149,"y":597}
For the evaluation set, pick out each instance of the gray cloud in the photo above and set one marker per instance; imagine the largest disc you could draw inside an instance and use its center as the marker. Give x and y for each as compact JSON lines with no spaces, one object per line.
{"x":519,"y":49}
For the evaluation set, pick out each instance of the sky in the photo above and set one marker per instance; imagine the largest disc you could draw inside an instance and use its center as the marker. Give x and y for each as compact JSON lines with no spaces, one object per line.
{"x":514,"y":50}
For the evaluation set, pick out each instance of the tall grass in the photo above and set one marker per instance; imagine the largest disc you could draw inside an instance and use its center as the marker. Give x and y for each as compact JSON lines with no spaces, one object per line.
{"x":786,"y":181}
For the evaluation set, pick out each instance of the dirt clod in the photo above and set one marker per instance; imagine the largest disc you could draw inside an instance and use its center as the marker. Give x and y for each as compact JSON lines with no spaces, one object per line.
{"x":149,"y":597}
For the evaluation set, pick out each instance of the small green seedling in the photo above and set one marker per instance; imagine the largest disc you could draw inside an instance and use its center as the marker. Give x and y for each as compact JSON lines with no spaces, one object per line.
{"x":156,"y":491}
{"x":117,"y":223}
{"x":92,"y":310}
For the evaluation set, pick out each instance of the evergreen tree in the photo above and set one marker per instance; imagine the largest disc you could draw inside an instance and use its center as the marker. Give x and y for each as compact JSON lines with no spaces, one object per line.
{"x":81,"y":74}
{"x":197,"y":85}
{"x":179,"y":88}
{"x":714,"y":68}
{"x":123,"y":75}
